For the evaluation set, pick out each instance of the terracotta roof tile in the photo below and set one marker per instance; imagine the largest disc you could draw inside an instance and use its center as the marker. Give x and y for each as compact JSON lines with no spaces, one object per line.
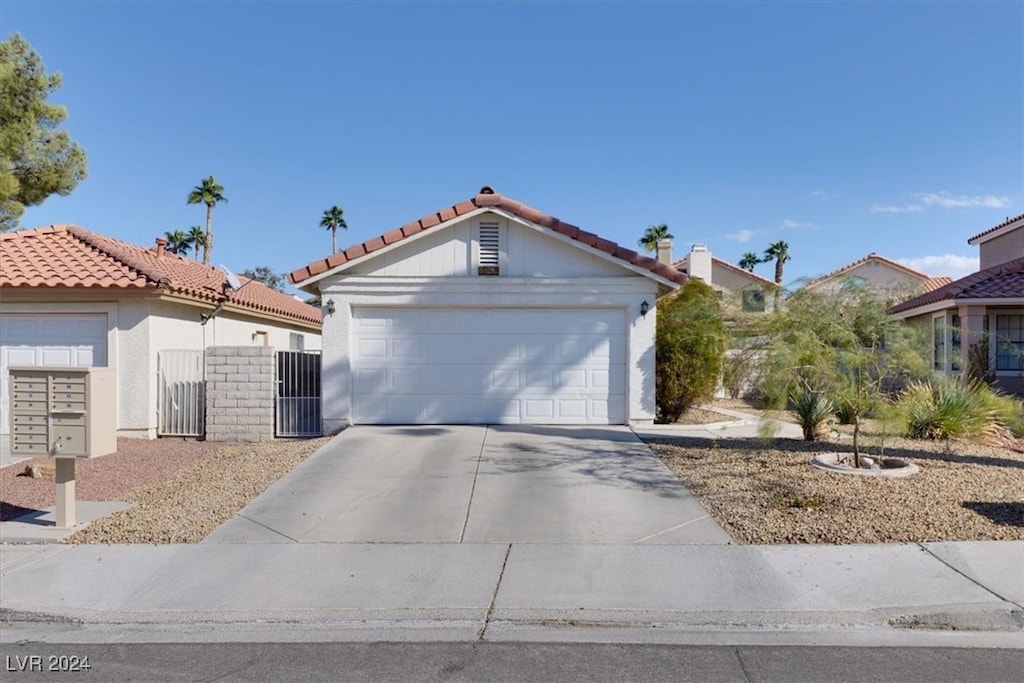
{"x":996,"y":227}
{"x":1004,"y":281}
{"x":488,"y":198}
{"x":66,"y":256}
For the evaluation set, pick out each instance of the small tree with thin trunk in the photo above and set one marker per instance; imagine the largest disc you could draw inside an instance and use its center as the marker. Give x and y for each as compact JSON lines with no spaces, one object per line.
{"x":778,"y":252}
{"x":196,"y":238}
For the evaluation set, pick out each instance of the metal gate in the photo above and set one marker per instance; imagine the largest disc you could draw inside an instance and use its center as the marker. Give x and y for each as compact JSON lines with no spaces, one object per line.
{"x":181,"y":393}
{"x":297,"y":406}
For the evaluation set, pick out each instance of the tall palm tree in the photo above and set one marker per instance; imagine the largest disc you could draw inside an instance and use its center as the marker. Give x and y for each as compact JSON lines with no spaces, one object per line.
{"x":177,"y":242}
{"x":778,"y":252}
{"x":197,"y":238}
{"x":653,"y":235}
{"x":332,"y":220}
{"x":208,"y":192}
{"x":749,"y":260}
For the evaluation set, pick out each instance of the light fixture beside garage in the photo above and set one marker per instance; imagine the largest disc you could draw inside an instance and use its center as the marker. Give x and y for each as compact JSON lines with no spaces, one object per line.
{"x":330,"y":306}
{"x":644,"y":307}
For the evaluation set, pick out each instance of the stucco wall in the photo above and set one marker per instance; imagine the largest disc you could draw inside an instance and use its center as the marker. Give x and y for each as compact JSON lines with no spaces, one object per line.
{"x":139,"y":328}
{"x":625,"y":293}
{"x":1003,"y":248}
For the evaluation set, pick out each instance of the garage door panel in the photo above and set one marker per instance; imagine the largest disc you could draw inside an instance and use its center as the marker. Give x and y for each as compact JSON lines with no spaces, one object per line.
{"x":48,"y":339}
{"x":494,"y":366}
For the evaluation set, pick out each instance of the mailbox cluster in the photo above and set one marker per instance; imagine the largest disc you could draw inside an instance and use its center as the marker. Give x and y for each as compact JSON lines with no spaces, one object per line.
{"x":63,"y":411}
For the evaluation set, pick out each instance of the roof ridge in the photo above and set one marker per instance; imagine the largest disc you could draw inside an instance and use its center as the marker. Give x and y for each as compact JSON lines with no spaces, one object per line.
{"x":1006,"y":222}
{"x":121,"y":251}
{"x":864,"y":259}
{"x":486,"y":197}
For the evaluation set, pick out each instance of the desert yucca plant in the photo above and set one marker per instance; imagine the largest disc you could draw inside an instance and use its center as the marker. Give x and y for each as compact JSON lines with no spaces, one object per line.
{"x":813,"y":408}
{"x":946,"y":409}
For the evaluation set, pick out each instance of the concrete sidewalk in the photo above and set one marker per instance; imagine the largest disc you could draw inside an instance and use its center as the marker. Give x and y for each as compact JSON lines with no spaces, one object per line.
{"x":911,"y":593}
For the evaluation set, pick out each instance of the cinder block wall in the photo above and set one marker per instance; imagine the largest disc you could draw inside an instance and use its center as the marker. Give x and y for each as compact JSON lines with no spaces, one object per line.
{"x":239,"y":393}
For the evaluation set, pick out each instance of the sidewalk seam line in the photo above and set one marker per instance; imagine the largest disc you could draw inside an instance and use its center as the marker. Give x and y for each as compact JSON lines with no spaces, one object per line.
{"x":665,"y":531}
{"x":494,"y":595}
{"x":274,"y":531}
{"x":472,"y":489}
{"x":969,"y":578}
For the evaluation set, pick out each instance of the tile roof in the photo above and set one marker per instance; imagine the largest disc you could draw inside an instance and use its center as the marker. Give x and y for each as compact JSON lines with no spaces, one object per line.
{"x":1004,"y":281}
{"x":927,"y":281}
{"x":486,"y":198}
{"x":67,"y":256}
{"x":996,"y":227}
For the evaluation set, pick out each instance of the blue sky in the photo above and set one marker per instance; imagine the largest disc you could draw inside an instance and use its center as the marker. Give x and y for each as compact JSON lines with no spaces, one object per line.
{"x":842,"y":128}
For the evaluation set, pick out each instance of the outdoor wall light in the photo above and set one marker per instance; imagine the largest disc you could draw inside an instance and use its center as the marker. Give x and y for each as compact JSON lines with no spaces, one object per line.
{"x":330,"y":306}
{"x":644,"y":307}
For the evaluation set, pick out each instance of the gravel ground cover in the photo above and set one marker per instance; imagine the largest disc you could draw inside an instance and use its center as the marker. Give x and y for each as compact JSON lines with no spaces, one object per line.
{"x":700,"y":416}
{"x":767,"y":492}
{"x":109,"y":477}
{"x":186,"y":507}
{"x":182,"y":489}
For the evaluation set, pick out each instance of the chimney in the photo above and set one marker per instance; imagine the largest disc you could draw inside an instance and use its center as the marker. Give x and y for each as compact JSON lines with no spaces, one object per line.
{"x":160,"y":244}
{"x":665,"y":251}
{"x":700,"y":262}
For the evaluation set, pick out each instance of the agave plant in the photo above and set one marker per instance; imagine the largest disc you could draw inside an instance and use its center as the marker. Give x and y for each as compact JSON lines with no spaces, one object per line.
{"x":813,"y":408}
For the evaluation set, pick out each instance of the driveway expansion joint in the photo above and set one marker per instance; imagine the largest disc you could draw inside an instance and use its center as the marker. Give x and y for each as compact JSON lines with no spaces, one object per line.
{"x":274,"y":531}
{"x":472,"y":489}
{"x":925,"y":548}
{"x":494,"y":595}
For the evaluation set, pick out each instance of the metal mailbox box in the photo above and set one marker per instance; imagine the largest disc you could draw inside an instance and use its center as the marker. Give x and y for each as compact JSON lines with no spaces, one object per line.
{"x":66,"y":412}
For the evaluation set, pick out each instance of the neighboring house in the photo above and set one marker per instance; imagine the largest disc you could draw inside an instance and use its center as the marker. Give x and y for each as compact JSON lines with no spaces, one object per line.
{"x":488,"y":311}
{"x":977,"y":322}
{"x":750,"y":290}
{"x":882,"y":274}
{"x":69,"y":296}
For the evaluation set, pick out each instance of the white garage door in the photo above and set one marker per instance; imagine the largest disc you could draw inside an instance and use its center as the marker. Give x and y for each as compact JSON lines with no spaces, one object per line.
{"x":499,"y":366}
{"x":48,"y":340}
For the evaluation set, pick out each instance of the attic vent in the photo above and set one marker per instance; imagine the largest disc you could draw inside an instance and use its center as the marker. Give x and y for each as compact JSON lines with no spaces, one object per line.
{"x":490,"y":247}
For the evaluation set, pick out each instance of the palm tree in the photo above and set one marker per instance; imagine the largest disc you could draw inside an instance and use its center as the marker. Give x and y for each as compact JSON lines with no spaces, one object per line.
{"x":653,"y":235}
{"x":208,"y":192}
{"x":177,"y":242}
{"x":197,"y":238}
{"x":778,"y":252}
{"x":749,"y":260}
{"x":332,"y":220}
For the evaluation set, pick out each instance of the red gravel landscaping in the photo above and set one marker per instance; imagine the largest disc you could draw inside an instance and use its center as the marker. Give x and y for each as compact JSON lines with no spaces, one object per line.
{"x":136,"y":462}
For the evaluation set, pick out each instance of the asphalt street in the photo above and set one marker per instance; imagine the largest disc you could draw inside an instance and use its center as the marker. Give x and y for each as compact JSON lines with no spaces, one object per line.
{"x":406,"y":662}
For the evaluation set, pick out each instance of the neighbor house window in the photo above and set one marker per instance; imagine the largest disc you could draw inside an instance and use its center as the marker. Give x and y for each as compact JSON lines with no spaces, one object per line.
{"x":954,"y":344}
{"x":753,"y":300}
{"x":296,"y":341}
{"x":939,"y":343}
{"x":1010,"y":342}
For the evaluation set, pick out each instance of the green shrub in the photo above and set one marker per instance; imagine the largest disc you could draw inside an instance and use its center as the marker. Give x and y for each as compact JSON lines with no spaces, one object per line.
{"x":946,"y":409}
{"x":846,"y":413}
{"x":690,"y":341}
{"x":813,"y":408}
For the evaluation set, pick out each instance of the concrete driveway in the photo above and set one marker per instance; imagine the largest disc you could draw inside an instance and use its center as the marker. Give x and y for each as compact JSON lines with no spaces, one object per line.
{"x":477,"y":484}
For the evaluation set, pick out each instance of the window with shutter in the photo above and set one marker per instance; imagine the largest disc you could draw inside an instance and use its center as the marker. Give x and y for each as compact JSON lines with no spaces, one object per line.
{"x":490,"y":249}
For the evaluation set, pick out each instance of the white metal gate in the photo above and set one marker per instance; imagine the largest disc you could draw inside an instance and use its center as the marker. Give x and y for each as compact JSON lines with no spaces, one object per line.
{"x":181,"y":393}
{"x":297,"y":404}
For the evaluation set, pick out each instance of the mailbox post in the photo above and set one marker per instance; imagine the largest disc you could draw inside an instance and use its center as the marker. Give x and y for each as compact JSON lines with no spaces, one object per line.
{"x":65,"y":413}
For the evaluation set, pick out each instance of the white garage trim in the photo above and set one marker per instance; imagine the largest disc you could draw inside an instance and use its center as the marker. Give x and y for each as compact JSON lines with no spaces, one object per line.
{"x":50,"y":339}
{"x":496,"y":365}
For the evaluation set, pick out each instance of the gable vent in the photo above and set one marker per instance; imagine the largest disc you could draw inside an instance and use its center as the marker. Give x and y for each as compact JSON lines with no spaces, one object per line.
{"x":489,"y":249}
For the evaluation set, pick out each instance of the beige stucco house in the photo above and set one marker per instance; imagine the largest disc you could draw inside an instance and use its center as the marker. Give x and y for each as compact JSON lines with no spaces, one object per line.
{"x":882,"y":274}
{"x":747,"y":290}
{"x":979,"y":319}
{"x":70,"y":296}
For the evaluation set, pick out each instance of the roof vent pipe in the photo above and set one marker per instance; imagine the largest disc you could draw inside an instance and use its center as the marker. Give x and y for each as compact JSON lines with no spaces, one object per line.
{"x":486,"y":189}
{"x":160,"y":244}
